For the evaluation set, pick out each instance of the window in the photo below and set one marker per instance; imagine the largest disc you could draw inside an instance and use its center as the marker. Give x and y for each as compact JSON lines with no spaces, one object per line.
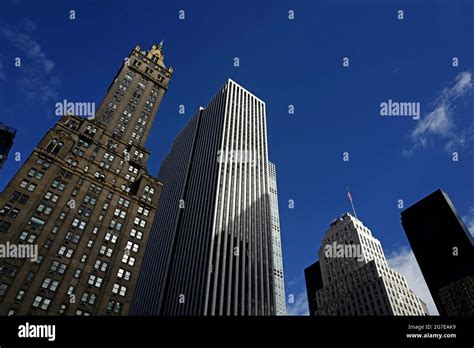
{"x":62,"y":309}
{"x":114,"y":306}
{"x":120,"y":213}
{"x":133,"y":169}
{"x":123,"y":274}
{"x":45,"y":164}
{"x":88,"y":298}
{"x":40,"y":208}
{"x":58,"y":267}
{"x":41,"y":303}
{"x":132,"y":246}
{"x":14,"y":213}
{"x":136,"y":234}
{"x":106,"y":251}
{"x":148,"y":193}
{"x":31,"y":187}
{"x":34,"y":173}
{"x":3,"y":289}
{"x":79,"y":224}
{"x":122,"y":201}
{"x":4,"y":226}
{"x":20,"y":294}
{"x":64,"y":251}
{"x":36,"y":222}
{"x":96,"y":189}
{"x":119,"y":289}
{"x":50,"y":284}
{"x":90,"y":200}
{"x":58,"y":185}
{"x":30,"y":276}
{"x":115,"y":225}
{"x":143,"y":211}
{"x":28,"y":237}
{"x":129,"y":260}
{"x":111,"y":237}
{"x":85,"y":211}
{"x":54,"y":146}
{"x":101,"y":265}
{"x":95,"y":281}
{"x":139,"y":222}
{"x":72,"y":237}
{"x":90,"y":131}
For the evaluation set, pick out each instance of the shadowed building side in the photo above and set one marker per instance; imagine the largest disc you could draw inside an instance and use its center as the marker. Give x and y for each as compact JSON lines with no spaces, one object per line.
{"x":444,"y":250}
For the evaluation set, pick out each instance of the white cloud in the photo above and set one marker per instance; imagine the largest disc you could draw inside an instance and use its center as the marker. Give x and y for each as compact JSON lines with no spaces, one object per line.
{"x":403,"y":260}
{"x":469,"y":220}
{"x":440,"y":122}
{"x":37,"y":80}
{"x":299,"y":305}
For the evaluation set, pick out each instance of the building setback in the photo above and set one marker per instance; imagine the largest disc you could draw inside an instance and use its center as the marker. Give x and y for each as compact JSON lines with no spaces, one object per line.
{"x":210,"y":250}
{"x":352,"y":276}
{"x":7,"y":135}
{"x":444,"y":250}
{"x":85,"y":200}
{"x":280,"y":300}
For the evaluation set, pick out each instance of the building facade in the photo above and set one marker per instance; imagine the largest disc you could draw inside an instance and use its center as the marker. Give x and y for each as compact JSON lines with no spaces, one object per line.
{"x":210,"y":250}
{"x":355,"y":276}
{"x":314,"y":282}
{"x":280,"y":299}
{"x":82,"y":204}
{"x":7,"y":135}
{"x":444,"y":249}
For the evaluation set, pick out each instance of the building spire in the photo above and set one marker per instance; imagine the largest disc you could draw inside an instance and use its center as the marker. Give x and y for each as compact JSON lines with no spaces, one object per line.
{"x":350,"y":199}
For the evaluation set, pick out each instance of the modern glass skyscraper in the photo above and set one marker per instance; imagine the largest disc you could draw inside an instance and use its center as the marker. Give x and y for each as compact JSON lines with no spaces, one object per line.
{"x":354,"y":278}
{"x":280,"y":299}
{"x":444,"y":249}
{"x":82,"y":204}
{"x":210,"y":251}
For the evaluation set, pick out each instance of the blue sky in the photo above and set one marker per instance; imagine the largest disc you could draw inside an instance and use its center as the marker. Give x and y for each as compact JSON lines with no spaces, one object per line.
{"x":283,"y":62}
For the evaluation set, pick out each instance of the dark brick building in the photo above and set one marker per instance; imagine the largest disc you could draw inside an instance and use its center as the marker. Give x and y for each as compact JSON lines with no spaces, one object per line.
{"x":84,"y":199}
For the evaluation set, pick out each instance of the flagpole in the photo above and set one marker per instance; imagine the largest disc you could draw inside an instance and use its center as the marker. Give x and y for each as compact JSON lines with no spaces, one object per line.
{"x":350,"y":199}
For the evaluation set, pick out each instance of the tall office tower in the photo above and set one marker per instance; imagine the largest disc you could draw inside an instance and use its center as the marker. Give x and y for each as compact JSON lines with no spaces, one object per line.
{"x":7,"y":134}
{"x":356,"y":279}
{"x":280,"y":300}
{"x":210,"y":249}
{"x":444,"y":250}
{"x":84,"y":201}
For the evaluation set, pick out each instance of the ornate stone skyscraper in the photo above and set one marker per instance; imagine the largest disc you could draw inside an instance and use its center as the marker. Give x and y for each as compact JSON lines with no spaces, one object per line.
{"x":82,"y":204}
{"x":352,"y":276}
{"x":210,"y":250}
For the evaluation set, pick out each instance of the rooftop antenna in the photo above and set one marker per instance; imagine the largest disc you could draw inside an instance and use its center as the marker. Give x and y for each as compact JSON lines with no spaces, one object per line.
{"x":350,"y":199}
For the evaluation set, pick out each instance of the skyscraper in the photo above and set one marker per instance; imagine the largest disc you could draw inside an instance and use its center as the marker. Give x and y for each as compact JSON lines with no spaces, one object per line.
{"x":444,"y":250}
{"x":82,"y":204}
{"x":210,"y":250}
{"x":354,"y":276}
{"x":280,"y":300}
{"x":7,"y":135}
{"x":314,"y":282}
